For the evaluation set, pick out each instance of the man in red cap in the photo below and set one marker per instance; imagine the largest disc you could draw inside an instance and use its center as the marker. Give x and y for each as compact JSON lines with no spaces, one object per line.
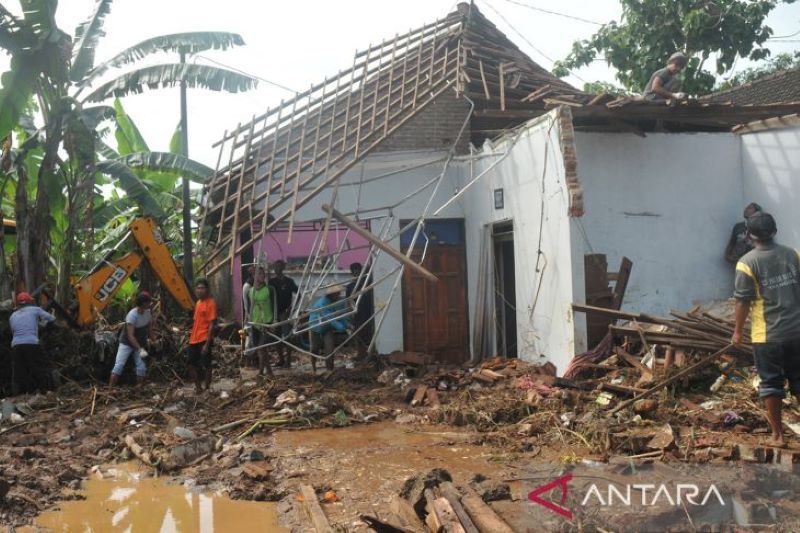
{"x":30,"y":369}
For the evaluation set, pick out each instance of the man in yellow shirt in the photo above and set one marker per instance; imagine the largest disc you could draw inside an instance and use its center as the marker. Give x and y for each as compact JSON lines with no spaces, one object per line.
{"x":768,"y":289}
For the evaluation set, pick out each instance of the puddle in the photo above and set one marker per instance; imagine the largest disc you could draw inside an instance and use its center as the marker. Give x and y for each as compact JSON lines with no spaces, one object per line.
{"x":127,"y":501}
{"x":366,"y":464}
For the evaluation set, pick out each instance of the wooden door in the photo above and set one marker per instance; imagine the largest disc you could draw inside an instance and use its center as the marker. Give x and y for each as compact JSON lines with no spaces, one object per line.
{"x":435,"y":315}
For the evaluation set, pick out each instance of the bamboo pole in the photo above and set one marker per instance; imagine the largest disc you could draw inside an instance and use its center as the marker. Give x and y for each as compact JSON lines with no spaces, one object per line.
{"x":238,"y":206}
{"x":395,"y":254}
{"x":672,"y":379}
{"x":415,"y":106}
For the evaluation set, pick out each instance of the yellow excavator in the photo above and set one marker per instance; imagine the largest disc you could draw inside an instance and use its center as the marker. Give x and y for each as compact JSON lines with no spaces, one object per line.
{"x":95,"y":289}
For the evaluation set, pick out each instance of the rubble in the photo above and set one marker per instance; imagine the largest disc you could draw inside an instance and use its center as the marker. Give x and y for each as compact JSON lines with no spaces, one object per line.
{"x":523,"y":408}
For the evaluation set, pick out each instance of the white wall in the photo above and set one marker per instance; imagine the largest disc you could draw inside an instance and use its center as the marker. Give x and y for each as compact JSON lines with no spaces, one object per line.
{"x":771,"y":169}
{"x":667,"y":202}
{"x":533,"y":164}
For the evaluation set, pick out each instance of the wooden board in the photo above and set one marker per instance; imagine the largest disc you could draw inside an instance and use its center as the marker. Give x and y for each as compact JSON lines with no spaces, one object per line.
{"x":314,"y":511}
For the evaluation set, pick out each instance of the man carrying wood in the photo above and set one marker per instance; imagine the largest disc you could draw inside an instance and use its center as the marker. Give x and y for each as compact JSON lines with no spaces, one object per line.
{"x":768,"y":289}
{"x":664,"y":84}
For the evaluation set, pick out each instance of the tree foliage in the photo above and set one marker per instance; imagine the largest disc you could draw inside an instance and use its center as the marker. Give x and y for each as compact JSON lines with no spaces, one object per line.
{"x":56,"y":164}
{"x":651,"y":30}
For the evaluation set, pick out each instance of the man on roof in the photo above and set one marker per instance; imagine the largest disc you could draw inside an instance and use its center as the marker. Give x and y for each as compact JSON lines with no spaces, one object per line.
{"x":664,"y":84}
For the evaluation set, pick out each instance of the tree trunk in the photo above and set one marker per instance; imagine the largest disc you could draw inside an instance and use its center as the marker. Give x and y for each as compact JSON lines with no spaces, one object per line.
{"x":5,"y":279}
{"x":65,"y":263}
{"x":24,"y":266}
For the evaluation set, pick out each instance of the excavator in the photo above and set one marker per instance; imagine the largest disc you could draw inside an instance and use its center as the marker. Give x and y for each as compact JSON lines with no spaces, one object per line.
{"x":95,"y":289}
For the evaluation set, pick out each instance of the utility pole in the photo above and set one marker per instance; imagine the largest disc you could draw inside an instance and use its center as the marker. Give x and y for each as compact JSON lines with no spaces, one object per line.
{"x":188,"y":267}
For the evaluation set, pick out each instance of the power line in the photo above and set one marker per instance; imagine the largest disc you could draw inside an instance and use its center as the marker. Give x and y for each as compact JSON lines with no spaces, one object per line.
{"x":240,"y":71}
{"x":549,"y":12}
{"x":521,"y":36}
{"x":784,"y":36}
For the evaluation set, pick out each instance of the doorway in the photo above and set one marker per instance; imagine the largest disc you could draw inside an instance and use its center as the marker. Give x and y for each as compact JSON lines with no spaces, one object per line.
{"x":435,"y":319}
{"x":505,"y":288}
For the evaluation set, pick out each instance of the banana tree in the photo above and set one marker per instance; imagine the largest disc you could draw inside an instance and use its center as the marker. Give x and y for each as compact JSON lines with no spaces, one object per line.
{"x":58,"y":71}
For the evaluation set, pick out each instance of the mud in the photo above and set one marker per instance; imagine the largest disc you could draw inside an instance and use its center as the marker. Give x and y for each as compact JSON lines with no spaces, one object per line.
{"x":365,"y":465}
{"x":126,"y":498}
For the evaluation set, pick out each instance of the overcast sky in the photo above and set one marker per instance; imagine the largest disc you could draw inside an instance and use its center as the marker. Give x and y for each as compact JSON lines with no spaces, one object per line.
{"x":296,"y":43}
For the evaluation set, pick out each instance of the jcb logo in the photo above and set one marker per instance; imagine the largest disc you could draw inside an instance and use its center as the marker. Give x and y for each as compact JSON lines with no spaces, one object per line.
{"x":111,"y":283}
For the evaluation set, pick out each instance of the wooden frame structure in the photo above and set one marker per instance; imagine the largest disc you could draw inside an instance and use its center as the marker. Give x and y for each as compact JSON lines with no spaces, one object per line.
{"x":285,"y":157}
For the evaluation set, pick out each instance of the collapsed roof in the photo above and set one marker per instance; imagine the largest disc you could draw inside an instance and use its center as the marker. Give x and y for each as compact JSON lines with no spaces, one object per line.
{"x":275,"y":164}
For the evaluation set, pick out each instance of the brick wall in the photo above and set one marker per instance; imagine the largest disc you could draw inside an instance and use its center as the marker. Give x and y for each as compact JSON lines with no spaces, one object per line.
{"x":435,"y":127}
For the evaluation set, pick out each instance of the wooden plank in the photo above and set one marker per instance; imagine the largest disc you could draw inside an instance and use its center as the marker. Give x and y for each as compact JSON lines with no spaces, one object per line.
{"x":447,"y":516}
{"x":454,"y":498}
{"x":432,"y":518}
{"x":691,"y":368}
{"x":314,"y":510}
{"x":599,"y":98}
{"x":419,"y":395}
{"x":432,"y":398}
{"x":483,"y":80}
{"x":502,"y":88}
{"x":404,"y":511}
{"x":357,"y":229}
{"x":555,"y":101}
{"x":633,"y":361}
{"x":539,"y":93}
{"x":483,"y":516}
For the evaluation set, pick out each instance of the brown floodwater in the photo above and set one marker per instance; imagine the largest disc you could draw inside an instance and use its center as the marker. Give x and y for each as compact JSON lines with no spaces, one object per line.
{"x":126,"y":500}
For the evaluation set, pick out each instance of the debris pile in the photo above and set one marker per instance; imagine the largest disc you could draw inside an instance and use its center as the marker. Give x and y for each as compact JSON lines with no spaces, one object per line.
{"x":431,"y":502}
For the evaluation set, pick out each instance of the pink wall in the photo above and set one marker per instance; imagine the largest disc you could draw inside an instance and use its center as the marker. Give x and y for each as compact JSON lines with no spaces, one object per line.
{"x":276,"y":246}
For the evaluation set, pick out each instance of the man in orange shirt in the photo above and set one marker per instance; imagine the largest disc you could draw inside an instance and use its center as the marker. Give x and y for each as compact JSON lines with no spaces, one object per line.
{"x":200,"y":341}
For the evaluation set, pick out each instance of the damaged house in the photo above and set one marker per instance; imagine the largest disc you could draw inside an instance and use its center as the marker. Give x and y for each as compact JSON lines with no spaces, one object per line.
{"x":485,"y":196}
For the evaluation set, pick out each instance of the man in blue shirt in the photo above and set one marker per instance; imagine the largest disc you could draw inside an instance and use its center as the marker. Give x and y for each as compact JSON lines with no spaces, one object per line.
{"x":30,"y":369}
{"x":326,"y":319}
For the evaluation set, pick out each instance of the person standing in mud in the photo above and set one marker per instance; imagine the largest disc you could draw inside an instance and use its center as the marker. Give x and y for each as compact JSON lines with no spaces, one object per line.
{"x":326,"y":319}
{"x":262,"y":309}
{"x":202,"y":336}
{"x":362,"y":320}
{"x":283,"y":290}
{"x":30,"y":369}
{"x":133,"y":338}
{"x":768,"y":290}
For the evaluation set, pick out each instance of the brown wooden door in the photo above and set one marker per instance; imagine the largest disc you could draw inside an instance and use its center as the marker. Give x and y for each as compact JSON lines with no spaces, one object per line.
{"x":435,"y":315}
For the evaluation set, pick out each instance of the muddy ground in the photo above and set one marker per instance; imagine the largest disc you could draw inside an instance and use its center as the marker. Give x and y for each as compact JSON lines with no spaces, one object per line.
{"x":353,"y":436}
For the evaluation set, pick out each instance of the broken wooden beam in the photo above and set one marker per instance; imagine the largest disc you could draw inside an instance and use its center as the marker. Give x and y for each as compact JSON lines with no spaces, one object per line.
{"x":483,"y":516}
{"x":449,"y":491}
{"x":691,"y":368}
{"x":314,"y":510}
{"x":483,"y":80}
{"x":419,"y":395}
{"x":379,"y":243}
{"x":538,"y":93}
{"x":405,"y":514}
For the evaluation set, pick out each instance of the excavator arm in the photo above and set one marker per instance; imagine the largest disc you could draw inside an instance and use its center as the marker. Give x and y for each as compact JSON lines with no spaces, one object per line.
{"x":95,"y":290}
{"x":161,"y":261}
